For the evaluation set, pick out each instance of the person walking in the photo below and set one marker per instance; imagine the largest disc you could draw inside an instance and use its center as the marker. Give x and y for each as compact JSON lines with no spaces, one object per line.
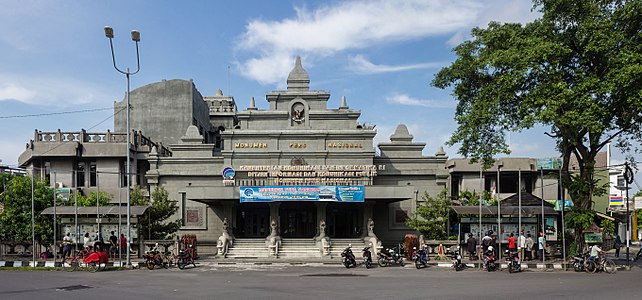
{"x":113,"y":244}
{"x":529,"y":246}
{"x":521,"y":245}
{"x":512,"y":243}
{"x":541,"y":243}
{"x":617,"y":244}
{"x":471,"y":246}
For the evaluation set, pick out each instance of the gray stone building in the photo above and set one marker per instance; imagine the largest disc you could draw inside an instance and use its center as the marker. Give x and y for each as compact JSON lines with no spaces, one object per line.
{"x":320,"y":183}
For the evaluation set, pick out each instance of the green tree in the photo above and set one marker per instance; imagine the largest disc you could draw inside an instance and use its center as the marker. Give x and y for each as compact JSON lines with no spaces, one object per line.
{"x":577,"y":70}
{"x":154,"y":223}
{"x":103,"y":199}
{"x":432,"y":216}
{"x":15,"y":219}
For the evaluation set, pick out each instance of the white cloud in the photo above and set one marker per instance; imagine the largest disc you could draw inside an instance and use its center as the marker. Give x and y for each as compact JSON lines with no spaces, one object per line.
{"x":327,"y":30}
{"x":404,"y":99}
{"x":360,"y":64}
{"x":457,"y":39}
{"x":15,"y":91}
{"x":52,"y":91}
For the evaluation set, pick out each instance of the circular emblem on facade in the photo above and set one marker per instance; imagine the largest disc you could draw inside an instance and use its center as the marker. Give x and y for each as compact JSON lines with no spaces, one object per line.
{"x":249,"y":193}
{"x":228,"y":173}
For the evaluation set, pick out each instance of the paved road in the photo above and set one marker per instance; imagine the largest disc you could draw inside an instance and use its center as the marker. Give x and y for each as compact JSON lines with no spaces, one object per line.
{"x":319,"y":282}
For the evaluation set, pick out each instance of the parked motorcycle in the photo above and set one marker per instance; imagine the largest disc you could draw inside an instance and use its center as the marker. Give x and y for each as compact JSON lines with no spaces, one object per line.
{"x":580,"y":262}
{"x":489,"y":260}
{"x":348,"y":257}
{"x":387,"y":257}
{"x":367,"y":257}
{"x":420,"y":257}
{"x":455,"y":257}
{"x":513,"y":262}
{"x":153,"y":259}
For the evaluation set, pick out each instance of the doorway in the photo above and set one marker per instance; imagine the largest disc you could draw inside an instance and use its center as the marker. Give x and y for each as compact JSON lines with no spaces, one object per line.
{"x":344,"y":220}
{"x":253,"y":220}
{"x":298,"y":220}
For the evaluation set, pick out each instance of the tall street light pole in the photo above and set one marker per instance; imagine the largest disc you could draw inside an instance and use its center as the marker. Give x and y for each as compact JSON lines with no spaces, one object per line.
{"x":109,"y":33}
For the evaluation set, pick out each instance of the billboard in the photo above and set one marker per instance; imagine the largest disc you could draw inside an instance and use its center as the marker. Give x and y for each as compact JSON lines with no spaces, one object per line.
{"x":302,"y":193}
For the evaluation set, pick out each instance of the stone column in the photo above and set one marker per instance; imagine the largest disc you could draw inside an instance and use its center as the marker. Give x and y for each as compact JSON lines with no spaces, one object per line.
{"x":368,"y":208}
{"x":274,"y":214}
{"x":229,"y":214}
{"x":321,"y":215}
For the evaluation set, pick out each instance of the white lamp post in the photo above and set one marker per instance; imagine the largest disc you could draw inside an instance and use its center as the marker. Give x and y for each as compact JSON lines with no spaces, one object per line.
{"x":109,"y":33}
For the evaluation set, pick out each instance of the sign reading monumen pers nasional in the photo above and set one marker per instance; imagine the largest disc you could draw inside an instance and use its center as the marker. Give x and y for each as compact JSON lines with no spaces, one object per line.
{"x":302,"y":193}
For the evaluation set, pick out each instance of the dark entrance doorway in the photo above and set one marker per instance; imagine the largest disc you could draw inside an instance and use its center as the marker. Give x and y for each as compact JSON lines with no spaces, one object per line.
{"x":298,"y":220}
{"x":253,"y":220}
{"x":344,"y":220}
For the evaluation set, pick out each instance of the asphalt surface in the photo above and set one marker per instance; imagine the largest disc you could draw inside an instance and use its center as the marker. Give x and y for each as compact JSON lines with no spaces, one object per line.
{"x":316,"y":282}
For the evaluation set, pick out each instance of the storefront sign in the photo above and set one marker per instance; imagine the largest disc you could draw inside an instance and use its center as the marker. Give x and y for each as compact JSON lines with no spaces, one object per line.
{"x":616,"y":201}
{"x":302,"y":193}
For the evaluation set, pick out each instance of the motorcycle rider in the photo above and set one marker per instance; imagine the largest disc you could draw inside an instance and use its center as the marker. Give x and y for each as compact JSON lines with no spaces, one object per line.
{"x":596,"y":251}
{"x":487,"y":241}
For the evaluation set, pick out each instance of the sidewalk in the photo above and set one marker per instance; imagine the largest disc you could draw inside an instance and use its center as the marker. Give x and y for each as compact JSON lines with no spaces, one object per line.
{"x":213,"y":261}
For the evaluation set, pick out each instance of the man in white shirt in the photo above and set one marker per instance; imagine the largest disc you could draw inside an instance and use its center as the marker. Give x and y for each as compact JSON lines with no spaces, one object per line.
{"x":521,"y":245}
{"x":595,"y":252}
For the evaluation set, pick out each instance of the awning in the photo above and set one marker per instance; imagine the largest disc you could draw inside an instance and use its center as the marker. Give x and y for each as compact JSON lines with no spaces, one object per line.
{"x":604,"y":216}
{"x":91,"y":210}
{"x":505,"y":210}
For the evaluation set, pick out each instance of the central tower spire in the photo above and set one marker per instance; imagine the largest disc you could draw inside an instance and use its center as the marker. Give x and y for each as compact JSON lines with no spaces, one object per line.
{"x":298,"y":78}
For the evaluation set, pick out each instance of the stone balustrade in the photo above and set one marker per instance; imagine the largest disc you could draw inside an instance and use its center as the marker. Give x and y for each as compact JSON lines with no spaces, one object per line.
{"x":136,"y":138}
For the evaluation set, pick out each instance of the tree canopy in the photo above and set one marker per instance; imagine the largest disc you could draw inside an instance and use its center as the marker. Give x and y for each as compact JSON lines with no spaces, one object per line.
{"x":154,"y":224}
{"x":15,"y":219}
{"x":577,"y":70}
{"x":431,"y":217}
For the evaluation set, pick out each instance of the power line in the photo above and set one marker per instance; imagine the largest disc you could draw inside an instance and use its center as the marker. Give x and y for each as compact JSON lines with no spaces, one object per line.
{"x":56,"y":113}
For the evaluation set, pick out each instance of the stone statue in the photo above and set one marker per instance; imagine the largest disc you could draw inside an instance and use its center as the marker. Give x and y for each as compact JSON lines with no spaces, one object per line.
{"x":371,"y":238}
{"x":273,"y":241}
{"x":225,"y":240}
{"x":322,"y":240}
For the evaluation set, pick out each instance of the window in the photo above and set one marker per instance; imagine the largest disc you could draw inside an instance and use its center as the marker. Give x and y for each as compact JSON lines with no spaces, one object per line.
{"x":80,"y":174}
{"x":93,"y":173}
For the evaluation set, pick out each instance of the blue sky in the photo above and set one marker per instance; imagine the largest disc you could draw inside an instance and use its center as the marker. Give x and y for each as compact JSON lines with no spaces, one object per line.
{"x":381,"y":55}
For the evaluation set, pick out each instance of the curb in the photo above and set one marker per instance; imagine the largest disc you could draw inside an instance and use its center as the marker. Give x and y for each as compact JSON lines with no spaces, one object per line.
{"x":51,"y":264}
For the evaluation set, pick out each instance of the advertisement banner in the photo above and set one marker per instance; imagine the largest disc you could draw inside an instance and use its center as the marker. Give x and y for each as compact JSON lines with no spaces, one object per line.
{"x":568,"y":204}
{"x":302,"y":193}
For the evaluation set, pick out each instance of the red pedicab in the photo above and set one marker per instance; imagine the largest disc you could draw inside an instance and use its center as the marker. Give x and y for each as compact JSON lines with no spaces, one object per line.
{"x":95,"y":259}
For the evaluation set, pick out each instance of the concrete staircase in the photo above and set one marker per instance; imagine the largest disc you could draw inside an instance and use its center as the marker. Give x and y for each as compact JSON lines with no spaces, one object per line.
{"x":292,"y":248}
{"x":247,"y":248}
{"x":337,"y":246}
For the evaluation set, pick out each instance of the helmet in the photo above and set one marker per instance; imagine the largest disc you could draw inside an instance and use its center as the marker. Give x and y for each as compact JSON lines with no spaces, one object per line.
{"x":414,"y":248}
{"x":156,"y":244}
{"x":490,"y":248}
{"x":490,"y":232}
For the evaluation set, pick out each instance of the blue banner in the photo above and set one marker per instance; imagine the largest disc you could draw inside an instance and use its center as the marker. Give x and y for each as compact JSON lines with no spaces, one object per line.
{"x":302,"y":193}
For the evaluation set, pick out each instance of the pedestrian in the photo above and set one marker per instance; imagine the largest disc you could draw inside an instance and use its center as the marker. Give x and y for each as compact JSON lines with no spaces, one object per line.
{"x":86,"y":241}
{"x":529,"y":247}
{"x":617,"y":244}
{"x":98,"y":242}
{"x":512,"y":243}
{"x":471,"y":246}
{"x":541,"y":243}
{"x":67,"y":245}
{"x":123,"y":244}
{"x":113,"y":244}
{"x":521,"y":245}
{"x":487,"y":242}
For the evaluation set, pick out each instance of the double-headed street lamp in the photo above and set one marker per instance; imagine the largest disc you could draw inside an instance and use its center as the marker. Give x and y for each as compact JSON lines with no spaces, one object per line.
{"x":109,"y":33}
